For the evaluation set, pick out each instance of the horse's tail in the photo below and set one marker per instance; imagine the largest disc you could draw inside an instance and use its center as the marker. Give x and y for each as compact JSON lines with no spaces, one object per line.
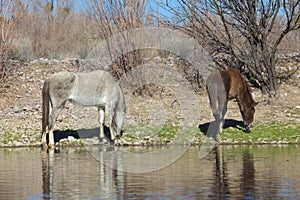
{"x":45,"y":106}
{"x":212,"y":95}
{"x":216,"y":93}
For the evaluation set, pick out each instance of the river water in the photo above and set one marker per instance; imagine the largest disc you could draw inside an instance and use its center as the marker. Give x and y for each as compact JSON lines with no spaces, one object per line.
{"x":227,"y":172}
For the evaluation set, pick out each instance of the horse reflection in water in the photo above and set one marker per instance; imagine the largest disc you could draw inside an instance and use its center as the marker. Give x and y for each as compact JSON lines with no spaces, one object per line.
{"x":223,"y":86}
{"x":66,"y":169}
{"x":224,"y":177}
{"x":97,"y":88}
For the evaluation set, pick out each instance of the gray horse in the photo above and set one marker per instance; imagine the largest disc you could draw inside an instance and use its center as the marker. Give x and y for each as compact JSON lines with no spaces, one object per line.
{"x":97,"y":88}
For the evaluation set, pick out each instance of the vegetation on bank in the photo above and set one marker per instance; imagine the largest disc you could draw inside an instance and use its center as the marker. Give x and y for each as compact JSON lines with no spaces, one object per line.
{"x":261,"y":133}
{"x":264,"y":133}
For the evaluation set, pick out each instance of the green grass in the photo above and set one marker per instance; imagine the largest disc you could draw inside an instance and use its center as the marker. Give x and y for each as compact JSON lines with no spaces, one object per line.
{"x":27,"y":136}
{"x":261,"y":133}
{"x":158,"y":135}
{"x":6,"y":137}
{"x":167,"y":132}
{"x":275,"y":132}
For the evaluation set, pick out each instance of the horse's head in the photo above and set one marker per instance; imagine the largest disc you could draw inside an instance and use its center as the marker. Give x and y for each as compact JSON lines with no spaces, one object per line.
{"x":248,"y":116}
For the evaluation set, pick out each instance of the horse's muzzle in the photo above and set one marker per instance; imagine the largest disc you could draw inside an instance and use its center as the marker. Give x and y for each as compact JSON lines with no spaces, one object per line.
{"x":247,"y":129}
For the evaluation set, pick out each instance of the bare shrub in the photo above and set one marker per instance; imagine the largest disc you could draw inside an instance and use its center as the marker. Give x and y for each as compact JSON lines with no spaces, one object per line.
{"x":11,"y":12}
{"x":241,"y":34}
{"x":21,"y":49}
{"x":54,"y":29}
{"x":113,"y":17}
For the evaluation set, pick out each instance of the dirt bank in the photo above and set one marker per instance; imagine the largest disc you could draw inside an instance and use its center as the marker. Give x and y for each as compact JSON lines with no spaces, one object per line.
{"x":20,"y":103}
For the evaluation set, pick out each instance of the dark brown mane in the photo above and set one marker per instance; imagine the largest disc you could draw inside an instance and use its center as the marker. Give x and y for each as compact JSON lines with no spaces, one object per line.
{"x":247,"y":95}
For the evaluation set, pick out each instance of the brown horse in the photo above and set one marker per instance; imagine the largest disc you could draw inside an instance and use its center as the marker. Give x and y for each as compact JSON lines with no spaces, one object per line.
{"x":223,"y":86}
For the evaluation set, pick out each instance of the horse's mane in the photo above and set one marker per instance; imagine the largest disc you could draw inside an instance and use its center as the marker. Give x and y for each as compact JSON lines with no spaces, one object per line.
{"x":248,"y":91}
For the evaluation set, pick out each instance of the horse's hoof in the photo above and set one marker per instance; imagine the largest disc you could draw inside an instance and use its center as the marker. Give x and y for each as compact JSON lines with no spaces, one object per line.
{"x":218,"y":139}
{"x":103,"y":141}
{"x":44,"y":146}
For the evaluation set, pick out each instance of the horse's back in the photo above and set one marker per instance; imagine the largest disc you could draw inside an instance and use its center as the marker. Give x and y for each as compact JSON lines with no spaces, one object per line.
{"x":61,"y":84}
{"x":217,"y":83}
{"x":100,"y":78}
{"x":237,"y":83}
{"x":96,"y":88}
{"x":229,"y":81}
{"x":61,"y":78}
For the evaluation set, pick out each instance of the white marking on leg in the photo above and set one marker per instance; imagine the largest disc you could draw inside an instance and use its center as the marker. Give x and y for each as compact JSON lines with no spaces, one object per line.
{"x":221,"y":125}
{"x":51,"y":138}
{"x":109,"y":114}
{"x":220,"y":128}
{"x":221,"y":122}
{"x":44,"y":140}
{"x":112,"y":132}
{"x":50,"y":108}
{"x":101,"y":121}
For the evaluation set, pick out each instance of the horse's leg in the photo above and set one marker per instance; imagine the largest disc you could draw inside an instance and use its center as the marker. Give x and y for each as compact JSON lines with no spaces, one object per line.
{"x":219,"y":115}
{"x":53,"y":116}
{"x":218,"y":129}
{"x":217,"y":126}
{"x":44,"y":140}
{"x":101,"y":121}
{"x":44,"y":135}
{"x":222,"y":115}
{"x":118,"y":121}
{"x":110,"y":114}
{"x":216,"y":113}
{"x":112,"y":130}
{"x":214,"y":105}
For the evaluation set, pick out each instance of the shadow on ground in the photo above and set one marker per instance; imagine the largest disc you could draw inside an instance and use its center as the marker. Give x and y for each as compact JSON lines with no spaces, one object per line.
{"x":228,"y":123}
{"x":81,"y":133}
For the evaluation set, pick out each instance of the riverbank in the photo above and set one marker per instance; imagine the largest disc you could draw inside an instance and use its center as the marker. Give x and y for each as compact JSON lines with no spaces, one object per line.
{"x":20,"y":114}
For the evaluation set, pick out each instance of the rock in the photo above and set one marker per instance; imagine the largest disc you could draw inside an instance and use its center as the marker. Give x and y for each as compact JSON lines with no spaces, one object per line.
{"x":26,"y":108}
{"x":126,"y":143}
{"x":64,"y":140}
{"x":147,"y":138}
{"x":17,"y":143}
{"x":71,"y":139}
{"x":16,"y":109}
{"x":229,"y":140}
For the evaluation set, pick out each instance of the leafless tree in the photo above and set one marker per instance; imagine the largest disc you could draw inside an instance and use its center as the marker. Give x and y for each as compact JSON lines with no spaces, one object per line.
{"x":116,"y":17}
{"x":240,"y":33}
{"x":11,"y":12}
